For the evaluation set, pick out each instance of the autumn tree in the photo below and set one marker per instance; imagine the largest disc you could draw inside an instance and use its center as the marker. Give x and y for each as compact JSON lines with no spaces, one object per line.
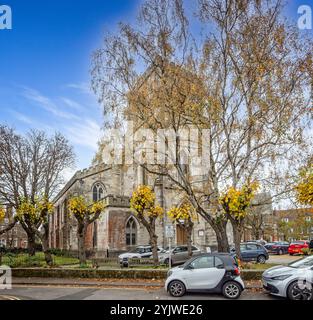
{"x":260,"y":220}
{"x":31,"y":169}
{"x":284,"y":229}
{"x":184,"y":216}
{"x":304,"y":188}
{"x":8,"y":227}
{"x":245,"y":86}
{"x":85,"y":214}
{"x":143,"y":203}
{"x":236,"y":204}
{"x":33,"y":213}
{"x":298,"y":227}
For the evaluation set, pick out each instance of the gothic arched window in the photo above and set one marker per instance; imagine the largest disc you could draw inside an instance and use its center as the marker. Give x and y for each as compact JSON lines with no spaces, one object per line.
{"x":131,"y":232}
{"x":97,"y":192}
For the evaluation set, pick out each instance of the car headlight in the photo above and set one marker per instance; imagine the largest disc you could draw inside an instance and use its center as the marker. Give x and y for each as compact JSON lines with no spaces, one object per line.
{"x":169,"y":273}
{"x":283,"y":277}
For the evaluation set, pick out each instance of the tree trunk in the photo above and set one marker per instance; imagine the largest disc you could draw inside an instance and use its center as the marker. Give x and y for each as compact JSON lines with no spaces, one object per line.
{"x":45,"y":245}
{"x":81,"y":231}
{"x":48,"y":256}
{"x":189,"y":241}
{"x":237,"y":231}
{"x":31,"y":244}
{"x":221,"y":236}
{"x":189,"y":229}
{"x":154,"y":247}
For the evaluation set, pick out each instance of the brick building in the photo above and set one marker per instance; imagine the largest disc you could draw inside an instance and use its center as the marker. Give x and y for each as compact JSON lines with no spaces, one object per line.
{"x":16,"y":237}
{"x":293,"y":223}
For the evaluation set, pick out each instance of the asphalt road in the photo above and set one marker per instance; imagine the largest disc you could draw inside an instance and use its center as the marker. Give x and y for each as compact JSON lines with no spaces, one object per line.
{"x":83,"y":293}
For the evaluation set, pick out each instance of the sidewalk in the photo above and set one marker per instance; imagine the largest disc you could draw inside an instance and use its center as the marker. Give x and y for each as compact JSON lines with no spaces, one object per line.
{"x":139,"y":283}
{"x":87,"y":282}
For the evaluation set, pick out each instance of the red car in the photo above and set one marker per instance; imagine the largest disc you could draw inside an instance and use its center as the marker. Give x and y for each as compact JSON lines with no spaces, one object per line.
{"x":297,"y":246}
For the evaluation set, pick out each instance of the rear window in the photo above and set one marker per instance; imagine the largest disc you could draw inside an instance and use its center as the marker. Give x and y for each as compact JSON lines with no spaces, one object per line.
{"x":252,"y":246}
{"x":298,"y":242}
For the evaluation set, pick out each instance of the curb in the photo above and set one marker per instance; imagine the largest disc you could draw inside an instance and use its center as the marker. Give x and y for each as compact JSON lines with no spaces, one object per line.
{"x":99,"y":285}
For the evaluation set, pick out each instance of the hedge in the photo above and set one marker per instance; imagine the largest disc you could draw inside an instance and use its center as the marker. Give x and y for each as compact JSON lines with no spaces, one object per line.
{"x":110,"y":273}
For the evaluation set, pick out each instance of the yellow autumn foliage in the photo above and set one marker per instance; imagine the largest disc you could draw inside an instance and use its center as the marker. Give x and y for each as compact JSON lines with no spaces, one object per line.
{"x":143,"y":202}
{"x":184,"y":212}
{"x":80,"y":208}
{"x":2,"y":213}
{"x":304,"y":188}
{"x":34,"y":210}
{"x":235,"y":202}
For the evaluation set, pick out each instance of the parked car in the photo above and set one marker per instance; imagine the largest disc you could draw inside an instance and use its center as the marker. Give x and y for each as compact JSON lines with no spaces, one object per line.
{"x":137,"y":253}
{"x":179,"y":254}
{"x":277,"y":247}
{"x":252,"y":252}
{"x":261,"y":242}
{"x":297,"y":246}
{"x":209,"y":272}
{"x":293,"y":281}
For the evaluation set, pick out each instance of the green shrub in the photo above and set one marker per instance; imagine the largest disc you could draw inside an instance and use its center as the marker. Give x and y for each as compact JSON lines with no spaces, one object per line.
{"x":305,"y":251}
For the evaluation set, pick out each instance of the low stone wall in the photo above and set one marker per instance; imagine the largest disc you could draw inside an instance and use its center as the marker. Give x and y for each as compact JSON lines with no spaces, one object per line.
{"x":113,"y":273}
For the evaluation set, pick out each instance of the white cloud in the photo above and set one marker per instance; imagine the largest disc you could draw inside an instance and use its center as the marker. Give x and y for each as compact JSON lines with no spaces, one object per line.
{"x":47,"y":104}
{"x":21,"y":117}
{"x":72,"y":104}
{"x":86,"y":133}
{"x":83,"y":87}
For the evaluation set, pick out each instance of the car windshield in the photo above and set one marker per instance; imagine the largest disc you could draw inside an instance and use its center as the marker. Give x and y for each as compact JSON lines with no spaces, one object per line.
{"x":302,"y":263}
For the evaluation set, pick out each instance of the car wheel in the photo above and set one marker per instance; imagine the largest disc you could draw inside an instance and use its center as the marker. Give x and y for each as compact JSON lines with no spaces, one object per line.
{"x":291,"y":254}
{"x":176,"y":288}
{"x":300,"y":292}
{"x":280,"y":252}
{"x":261,"y":259}
{"x":232,"y":290}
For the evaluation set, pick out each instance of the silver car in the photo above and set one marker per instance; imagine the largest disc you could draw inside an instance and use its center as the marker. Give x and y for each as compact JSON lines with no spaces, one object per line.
{"x":179,"y":254}
{"x":293,"y":281}
{"x":138,"y":253}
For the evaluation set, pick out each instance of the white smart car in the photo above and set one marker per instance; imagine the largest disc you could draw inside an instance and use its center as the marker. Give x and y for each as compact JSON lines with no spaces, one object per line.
{"x":211,"y":273}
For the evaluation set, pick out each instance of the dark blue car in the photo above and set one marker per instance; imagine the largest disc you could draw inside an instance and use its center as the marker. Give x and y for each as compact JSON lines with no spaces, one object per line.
{"x":253,"y":252}
{"x":277,"y":247}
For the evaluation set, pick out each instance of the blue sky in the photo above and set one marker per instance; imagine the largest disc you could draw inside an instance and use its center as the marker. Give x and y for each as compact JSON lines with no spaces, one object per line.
{"x":45,"y":62}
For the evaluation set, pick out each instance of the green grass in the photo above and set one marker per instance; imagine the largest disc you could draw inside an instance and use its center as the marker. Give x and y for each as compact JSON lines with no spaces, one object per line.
{"x":26,"y":261}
